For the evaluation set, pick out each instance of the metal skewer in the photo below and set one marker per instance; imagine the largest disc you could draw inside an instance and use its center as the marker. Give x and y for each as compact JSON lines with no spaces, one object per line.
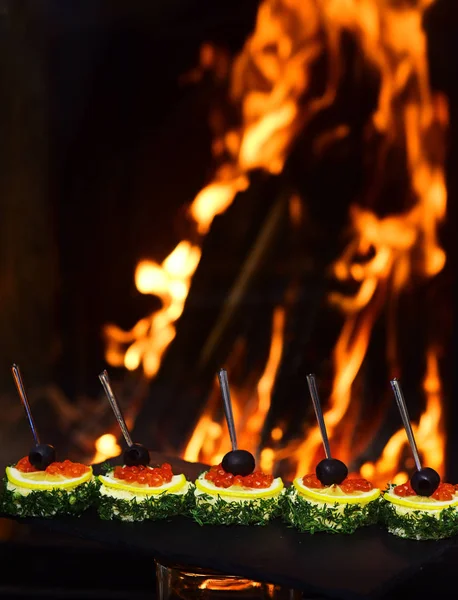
{"x":405,"y":420}
{"x":25,"y":403}
{"x":224,"y":385}
{"x":319,"y":413}
{"x":105,"y":380}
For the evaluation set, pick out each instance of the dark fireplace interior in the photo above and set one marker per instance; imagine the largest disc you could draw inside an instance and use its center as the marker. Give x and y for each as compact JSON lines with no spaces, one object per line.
{"x":109,"y":125}
{"x":129,"y":144}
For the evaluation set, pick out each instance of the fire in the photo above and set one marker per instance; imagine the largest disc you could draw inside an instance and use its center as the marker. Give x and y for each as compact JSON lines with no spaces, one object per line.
{"x":106,"y":447}
{"x":432,"y":446}
{"x":271,"y":83}
{"x":403,"y":246}
{"x":250,"y":412}
{"x":150,"y":337}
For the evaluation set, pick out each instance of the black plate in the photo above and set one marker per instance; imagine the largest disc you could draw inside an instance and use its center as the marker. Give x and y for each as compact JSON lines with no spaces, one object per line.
{"x":367,"y":563}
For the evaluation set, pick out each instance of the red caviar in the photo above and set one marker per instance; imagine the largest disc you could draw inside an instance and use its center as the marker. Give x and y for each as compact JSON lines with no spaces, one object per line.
{"x":357,"y":484}
{"x":312,"y":481}
{"x":24,"y":465}
{"x":221,"y":478}
{"x":444,"y":492}
{"x":67,"y":468}
{"x":149,"y":476}
{"x":348,"y":485}
{"x":405,"y":489}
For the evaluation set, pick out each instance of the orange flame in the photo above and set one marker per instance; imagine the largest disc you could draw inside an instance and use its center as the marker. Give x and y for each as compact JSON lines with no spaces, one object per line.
{"x":271,"y":85}
{"x":429,"y":433}
{"x":210,"y":440}
{"x":106,"y":446}
{"x":270,"y":121}
{"x":150,"y":337}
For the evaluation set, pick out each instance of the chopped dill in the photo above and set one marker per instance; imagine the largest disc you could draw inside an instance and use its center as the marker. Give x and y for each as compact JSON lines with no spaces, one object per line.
{"x":419,"y":524}
{"x":259,"y":511}
{"x":48,"y":503}
{"x":155,"y":508}
{"x":309,"y":517}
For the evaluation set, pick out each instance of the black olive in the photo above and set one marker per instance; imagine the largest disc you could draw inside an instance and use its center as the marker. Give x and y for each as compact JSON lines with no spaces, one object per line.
{"x":41,"y":456}
{"x":238,"y":462}
{"x":330,"y":471}
{"x":425,"y":481}
{"x":136,"y":455}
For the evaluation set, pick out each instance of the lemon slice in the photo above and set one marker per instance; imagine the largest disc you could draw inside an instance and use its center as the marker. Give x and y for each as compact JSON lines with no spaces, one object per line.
{"x":43,"y":477}
{"x":419,"y":502}
{"x":241,"y":493}
{"x":177,"y":483}
{"x":333,"y":494}
{"x":43,"y":481}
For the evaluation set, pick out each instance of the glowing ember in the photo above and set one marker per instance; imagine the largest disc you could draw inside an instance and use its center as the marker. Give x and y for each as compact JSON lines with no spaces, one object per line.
{"x":107,"y":447}
{"x":271,"y":85}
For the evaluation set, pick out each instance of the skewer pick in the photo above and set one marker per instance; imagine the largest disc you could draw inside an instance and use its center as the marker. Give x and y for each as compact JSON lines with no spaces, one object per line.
{"x":237,"y":462}
{"x":425,"y":480}
{"x":41,"y":455}
{"x":136,"y":454}
{"x":330,"y":470}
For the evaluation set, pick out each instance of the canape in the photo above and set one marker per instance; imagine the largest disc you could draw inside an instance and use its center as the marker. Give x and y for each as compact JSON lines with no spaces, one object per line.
{"x":409,"y":515}
{"x":59,"y":488}
{"x":311,"y":506}
{"x":136,"y":491}
{"x":139,"y":492}
{"x":234,"y":492}
{"x":38,"y":485}
{"x":329,"y":500}
{"x":222,"y":498}
{"x":422,"y":508}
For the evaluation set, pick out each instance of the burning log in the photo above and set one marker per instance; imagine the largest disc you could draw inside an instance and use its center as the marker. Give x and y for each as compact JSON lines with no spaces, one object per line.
{"x":212,"y":328}
{"x":193,"y":327}
{"x":310,"y":239}
{"x":185,"y":371}
{"x":359,"y":106}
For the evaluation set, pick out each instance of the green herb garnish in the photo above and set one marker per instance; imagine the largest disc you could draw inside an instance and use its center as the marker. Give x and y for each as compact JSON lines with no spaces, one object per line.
{"x":419,"y":524}
{"x":306,"y":516}
{"x":259,"y":511}
{"x":48,"y":503}
{"x":157,"y":507}
{"x":106,"y":467}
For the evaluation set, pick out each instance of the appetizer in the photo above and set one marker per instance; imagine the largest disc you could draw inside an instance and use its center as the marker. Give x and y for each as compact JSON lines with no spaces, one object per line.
{"x":233,"y":492}
{"x":223,"y":498}
{"x":422,"y":508}
{"x":343,"y":507}
{"x":62,"y":488}
{"x":408,"y":514}
{"x":139,"y":492}
{"x":329,"y":500}
{"x":136,"y":491}
{"x":38,"y":485}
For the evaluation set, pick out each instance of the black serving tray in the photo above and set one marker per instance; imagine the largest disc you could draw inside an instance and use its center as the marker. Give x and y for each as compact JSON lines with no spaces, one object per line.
{"x":367,"y":564}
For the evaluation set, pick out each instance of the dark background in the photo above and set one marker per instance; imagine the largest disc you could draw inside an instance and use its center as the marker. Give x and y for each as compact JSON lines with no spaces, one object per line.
{"x":104,"y":147}
{"x":132,"y":147}
{"x":97,"y":83}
